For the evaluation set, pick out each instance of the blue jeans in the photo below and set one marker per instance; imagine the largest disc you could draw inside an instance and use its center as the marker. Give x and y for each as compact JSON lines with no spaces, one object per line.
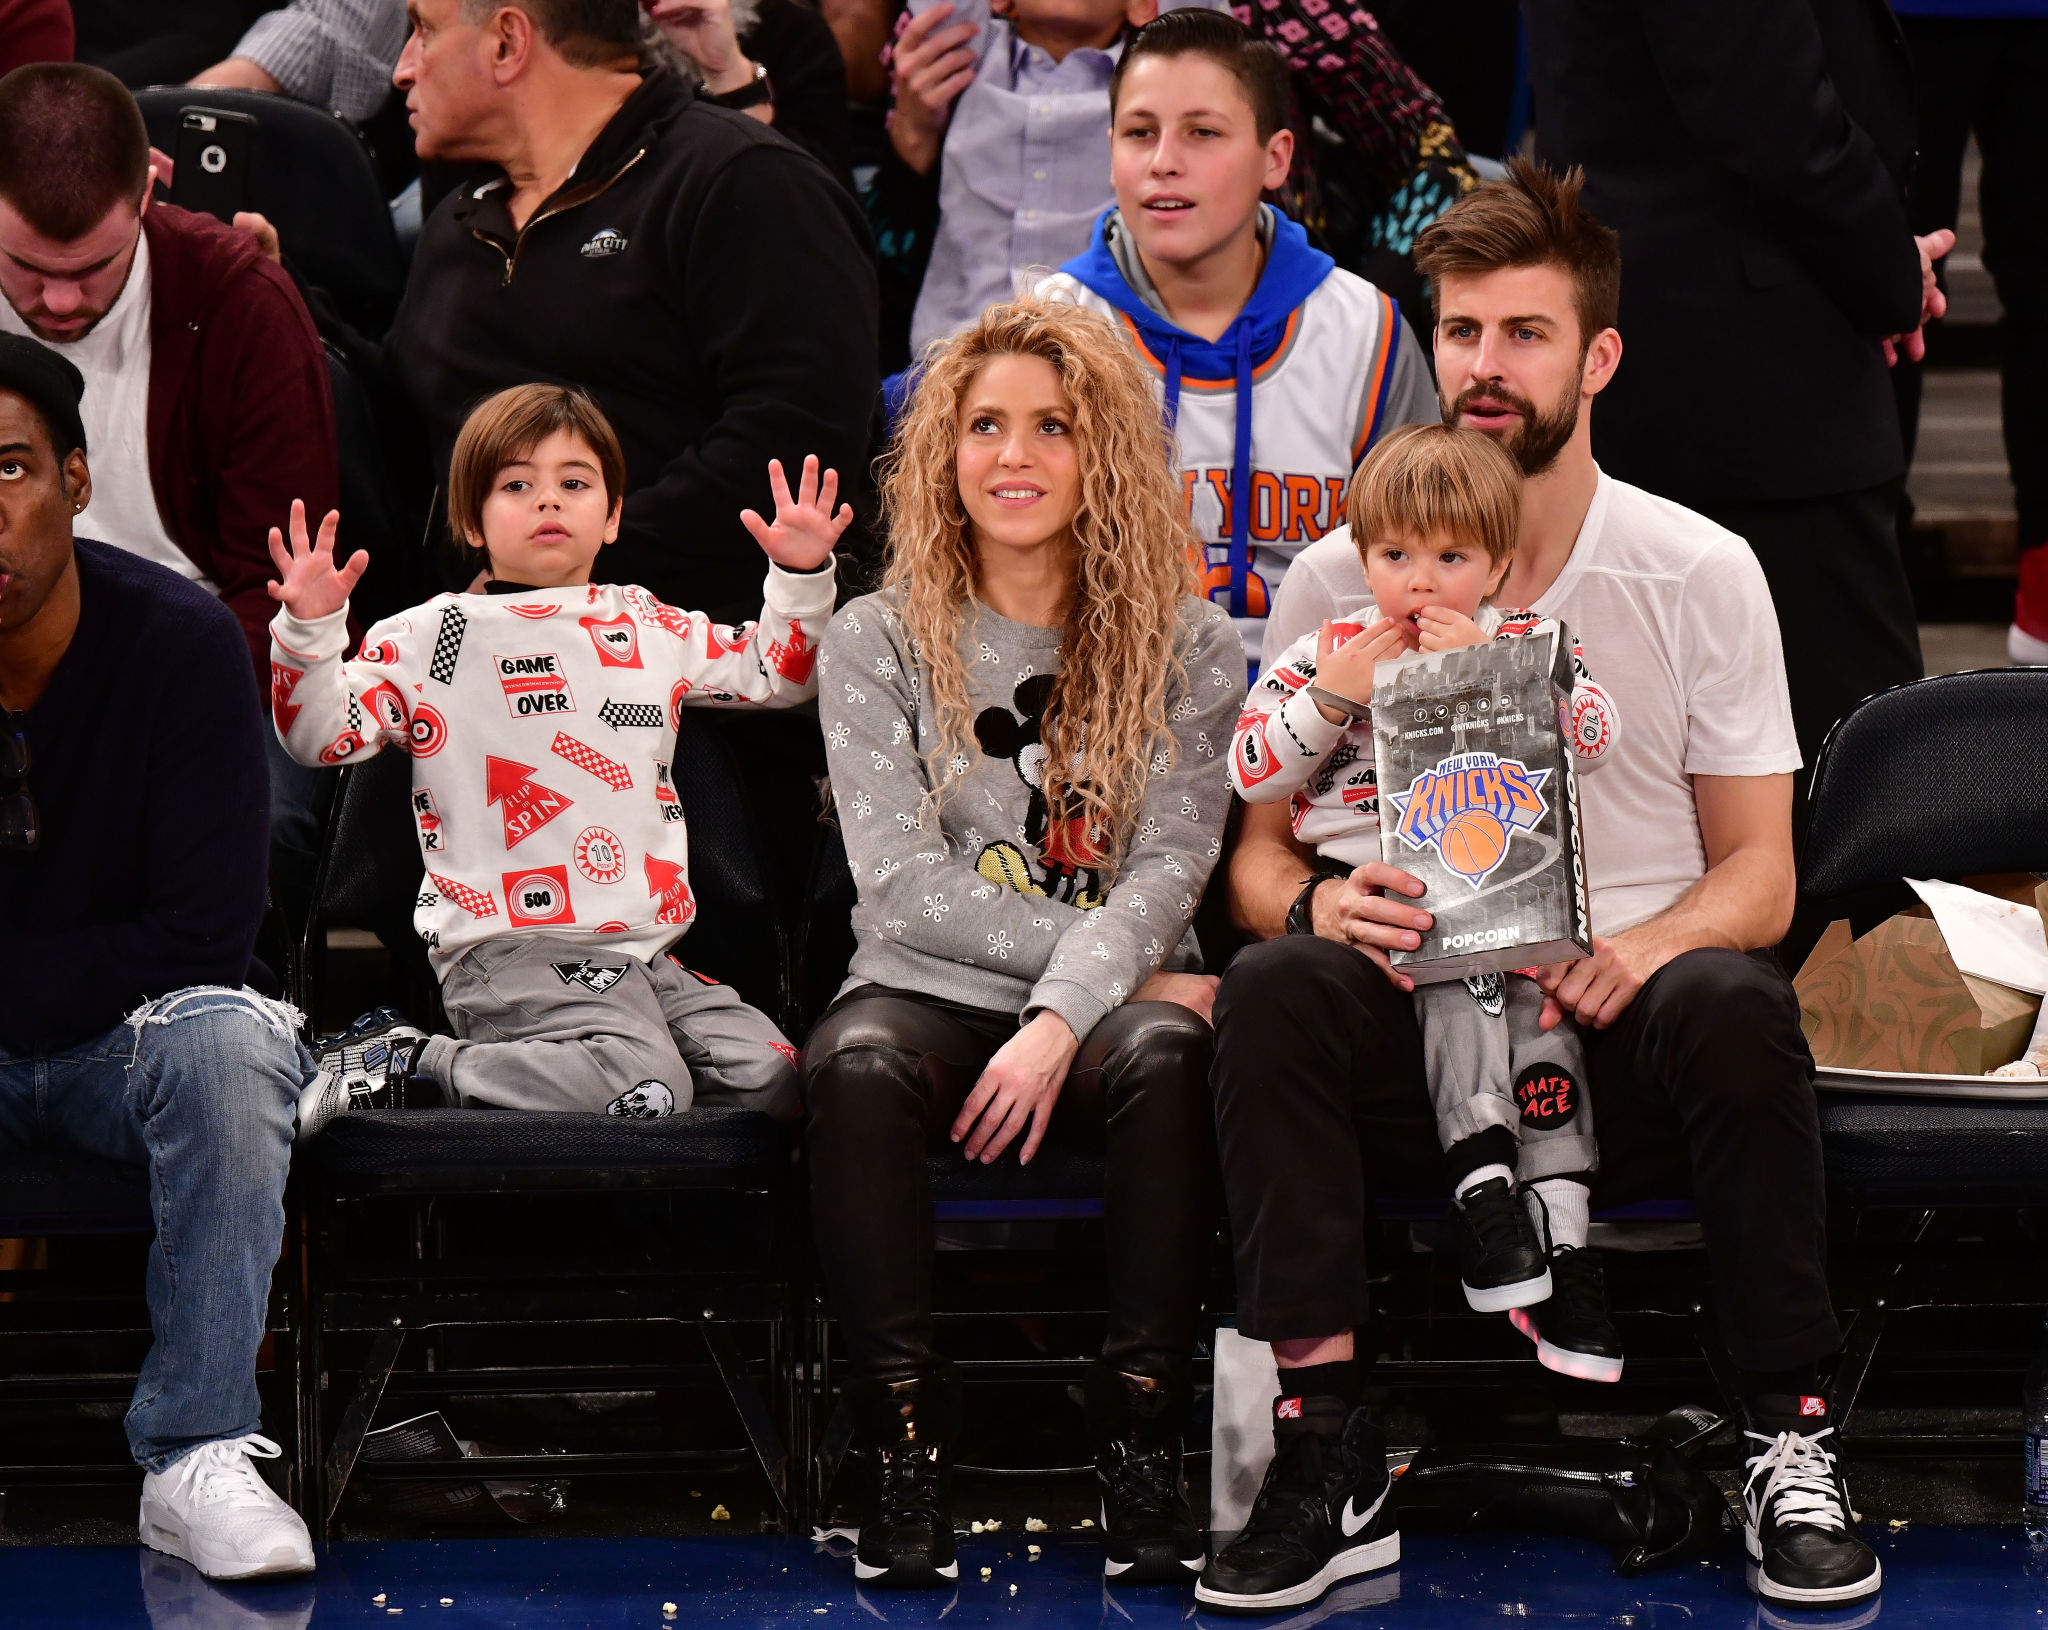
{"x":199,"y":1087}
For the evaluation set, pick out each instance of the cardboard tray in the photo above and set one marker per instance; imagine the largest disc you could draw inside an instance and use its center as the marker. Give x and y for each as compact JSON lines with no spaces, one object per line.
{"x":1894,"y":1084}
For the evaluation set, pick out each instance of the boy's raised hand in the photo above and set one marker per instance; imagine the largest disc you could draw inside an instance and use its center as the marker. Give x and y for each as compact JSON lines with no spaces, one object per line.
{"x":805,"y":529}
{"x":1347,"y":668}
{"x":312,"y":586}
{"x":1443,"y":629}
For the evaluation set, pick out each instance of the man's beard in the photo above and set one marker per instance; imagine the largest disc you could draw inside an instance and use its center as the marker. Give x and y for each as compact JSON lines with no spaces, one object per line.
{"x":1536,"y":441}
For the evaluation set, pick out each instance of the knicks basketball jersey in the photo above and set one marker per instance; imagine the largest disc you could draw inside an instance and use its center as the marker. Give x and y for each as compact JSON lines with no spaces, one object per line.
{"x":1262,"y":479}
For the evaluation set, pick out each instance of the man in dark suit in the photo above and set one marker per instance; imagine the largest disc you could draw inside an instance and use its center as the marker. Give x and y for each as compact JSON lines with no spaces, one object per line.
{"x":1753,"y":155}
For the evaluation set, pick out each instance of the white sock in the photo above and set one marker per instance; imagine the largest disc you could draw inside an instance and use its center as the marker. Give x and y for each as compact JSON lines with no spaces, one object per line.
{"x":1570,"y":1209}
{"x":1484,"y":1174}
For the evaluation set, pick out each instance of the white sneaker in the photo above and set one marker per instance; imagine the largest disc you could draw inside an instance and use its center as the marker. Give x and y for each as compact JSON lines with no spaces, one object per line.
{"x":213,"y":1508}
{"x":2024,"y":650}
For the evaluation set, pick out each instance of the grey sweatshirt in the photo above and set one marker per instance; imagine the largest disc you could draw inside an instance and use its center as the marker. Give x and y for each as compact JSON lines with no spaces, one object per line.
{"x":996,"y":909}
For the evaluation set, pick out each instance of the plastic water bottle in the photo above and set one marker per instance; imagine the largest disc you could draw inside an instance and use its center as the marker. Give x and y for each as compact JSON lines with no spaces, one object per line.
{"x":2035,"y":1513}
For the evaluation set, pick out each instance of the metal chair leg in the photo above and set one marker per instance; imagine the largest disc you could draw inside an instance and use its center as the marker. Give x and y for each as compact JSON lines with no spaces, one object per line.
{"x":753,"y":1413}
{"x":362,"y":1409}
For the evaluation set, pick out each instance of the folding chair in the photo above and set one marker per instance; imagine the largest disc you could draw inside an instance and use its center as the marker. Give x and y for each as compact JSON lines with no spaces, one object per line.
{"x":417,"y":1221}
{"x":1943,"y":778}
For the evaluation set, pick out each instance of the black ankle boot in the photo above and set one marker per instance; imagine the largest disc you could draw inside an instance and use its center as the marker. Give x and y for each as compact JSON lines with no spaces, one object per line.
{"x":907,"y":1429}
{"x":1149,"y":1533}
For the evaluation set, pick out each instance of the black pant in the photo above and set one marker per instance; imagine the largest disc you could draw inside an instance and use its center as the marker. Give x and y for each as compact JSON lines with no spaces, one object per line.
{"x":1845,"y":613}
{"x":884,"y":1074}
{"x":1985,"y":76}
{"x":1703,"y":1087}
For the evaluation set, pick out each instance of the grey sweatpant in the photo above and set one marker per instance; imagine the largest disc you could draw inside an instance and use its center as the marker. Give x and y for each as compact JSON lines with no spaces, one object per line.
{"x":1491,"y":1064}
{"x":552,"y":1023}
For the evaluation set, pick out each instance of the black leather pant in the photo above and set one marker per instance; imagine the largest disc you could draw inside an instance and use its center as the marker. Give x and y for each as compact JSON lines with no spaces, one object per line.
{"x":884,"y":1074}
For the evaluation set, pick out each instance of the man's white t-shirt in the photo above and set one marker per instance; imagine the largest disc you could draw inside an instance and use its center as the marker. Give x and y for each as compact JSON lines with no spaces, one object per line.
{"x":1676,"y":618}
{"x":113,"y":355}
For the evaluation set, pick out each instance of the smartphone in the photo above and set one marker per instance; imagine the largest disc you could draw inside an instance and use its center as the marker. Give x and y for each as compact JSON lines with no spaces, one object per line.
{"x":215,"y":162}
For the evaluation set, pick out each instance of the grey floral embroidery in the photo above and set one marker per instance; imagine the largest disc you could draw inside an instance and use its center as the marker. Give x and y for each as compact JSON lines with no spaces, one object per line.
{"x":838,"y":735}
{"x":935,"y":907}
{"x":863,"y":805}
{"x":885,"y":667}
{"x":1001,"y":944}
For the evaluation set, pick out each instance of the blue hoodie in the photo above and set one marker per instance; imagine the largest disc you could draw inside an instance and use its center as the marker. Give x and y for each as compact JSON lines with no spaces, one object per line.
{"x":1294,"y":270}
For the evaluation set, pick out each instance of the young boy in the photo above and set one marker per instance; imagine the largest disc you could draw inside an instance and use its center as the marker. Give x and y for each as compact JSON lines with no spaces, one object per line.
{"x":1433,"y":512}
{"x":541,"y":716}
{"x":1277,"y":369}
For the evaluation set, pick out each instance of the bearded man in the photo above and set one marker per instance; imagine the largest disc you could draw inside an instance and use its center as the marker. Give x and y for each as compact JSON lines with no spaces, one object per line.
{"x":1700,"y":1078}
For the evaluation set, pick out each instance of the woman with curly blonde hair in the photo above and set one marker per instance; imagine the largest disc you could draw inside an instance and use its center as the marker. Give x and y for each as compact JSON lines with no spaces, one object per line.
{"x":1026,"y":730}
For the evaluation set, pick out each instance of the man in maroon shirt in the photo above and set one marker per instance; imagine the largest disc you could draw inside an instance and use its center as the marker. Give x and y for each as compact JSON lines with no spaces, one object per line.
{"x":206,"y":395}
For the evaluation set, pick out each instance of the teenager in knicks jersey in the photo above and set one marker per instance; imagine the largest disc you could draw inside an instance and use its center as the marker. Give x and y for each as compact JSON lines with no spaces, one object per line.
{"x":1277,"y":369}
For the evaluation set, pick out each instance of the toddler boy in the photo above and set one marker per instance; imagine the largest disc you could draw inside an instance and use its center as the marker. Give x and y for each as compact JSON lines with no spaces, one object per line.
{"x":1433,"y":512}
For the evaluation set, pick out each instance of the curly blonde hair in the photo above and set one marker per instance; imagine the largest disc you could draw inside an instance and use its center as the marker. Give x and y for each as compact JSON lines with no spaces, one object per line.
{"x":1119,"y":640}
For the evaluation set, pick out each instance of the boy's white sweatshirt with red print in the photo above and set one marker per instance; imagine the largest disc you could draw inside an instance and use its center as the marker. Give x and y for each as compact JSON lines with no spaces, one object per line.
{"x":542,"y":726}
{"x":1283,"y":747}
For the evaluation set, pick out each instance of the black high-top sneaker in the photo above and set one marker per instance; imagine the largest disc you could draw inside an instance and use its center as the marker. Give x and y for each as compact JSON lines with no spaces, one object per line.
{"x":1797,"y":1520}
{"x":1500,"y":1259}
{"x":373,"y":1064}
{"x":1573,"y":1332}
{"x":1149,"y":1532}
{"x":1322,"y":1514}
{"x":906,"y":1531}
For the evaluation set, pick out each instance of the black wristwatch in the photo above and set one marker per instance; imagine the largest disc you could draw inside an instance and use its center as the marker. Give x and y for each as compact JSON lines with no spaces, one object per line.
{"x":1301,"y":916}
{"x":750,"y":95}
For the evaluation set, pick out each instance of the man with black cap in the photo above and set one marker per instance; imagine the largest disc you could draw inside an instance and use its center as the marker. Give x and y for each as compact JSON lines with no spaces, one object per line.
{"x":133,"y":832}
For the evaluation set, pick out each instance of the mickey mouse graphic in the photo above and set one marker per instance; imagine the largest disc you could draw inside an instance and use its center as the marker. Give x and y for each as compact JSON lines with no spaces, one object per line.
{"x":1070,"y":853}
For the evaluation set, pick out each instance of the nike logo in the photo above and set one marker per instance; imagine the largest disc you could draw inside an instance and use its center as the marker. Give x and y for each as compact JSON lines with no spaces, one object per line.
{"x":1353,"y":1519}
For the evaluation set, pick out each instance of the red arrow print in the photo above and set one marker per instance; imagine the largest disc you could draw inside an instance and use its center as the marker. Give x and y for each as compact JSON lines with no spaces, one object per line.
{"x":666,"y":878}
{"x":528,"y":805}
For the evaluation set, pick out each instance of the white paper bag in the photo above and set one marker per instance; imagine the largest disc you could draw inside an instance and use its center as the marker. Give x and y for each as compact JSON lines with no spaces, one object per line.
{"x":1241,"y":1440}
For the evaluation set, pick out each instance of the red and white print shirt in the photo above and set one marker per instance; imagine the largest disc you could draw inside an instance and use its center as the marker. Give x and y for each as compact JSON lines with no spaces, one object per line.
{"x":1283,"y":747}
{"x":542,"y":727}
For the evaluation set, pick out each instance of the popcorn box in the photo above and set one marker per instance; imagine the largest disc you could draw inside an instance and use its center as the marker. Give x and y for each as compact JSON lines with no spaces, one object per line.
{"x":1479,"y":798}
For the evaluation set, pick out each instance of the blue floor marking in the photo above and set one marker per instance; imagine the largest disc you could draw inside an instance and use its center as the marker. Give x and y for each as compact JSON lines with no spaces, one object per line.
{"x":1982,"y":1578}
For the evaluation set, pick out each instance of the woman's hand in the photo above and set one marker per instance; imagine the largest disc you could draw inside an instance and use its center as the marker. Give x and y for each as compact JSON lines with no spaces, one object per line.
{"x":1022,"y":1083}
{"x":1194,"y":991}
{"x":312,"y":588}
{"x":1442,"y":629}
{"x":929,"y":67}
{"x":805,"y":528}
{"x":702,"y":30}
{"x":1347,"y":668}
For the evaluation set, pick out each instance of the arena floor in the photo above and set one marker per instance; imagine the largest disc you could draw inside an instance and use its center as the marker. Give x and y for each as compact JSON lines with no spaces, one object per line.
{"x":1975,"y":1577}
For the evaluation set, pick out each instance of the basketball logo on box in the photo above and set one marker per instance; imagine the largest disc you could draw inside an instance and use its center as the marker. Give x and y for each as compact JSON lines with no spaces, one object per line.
{"x":1468,"y":808}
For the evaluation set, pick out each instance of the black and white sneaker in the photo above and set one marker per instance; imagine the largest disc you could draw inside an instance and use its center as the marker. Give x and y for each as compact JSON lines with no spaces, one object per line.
{"x":1798,"y":1526}
{"x":1500,"y":1259}
{"x":906,"y":1532}
{"x":1149,"y":1532}
{"x":1573,"y":1332}
{"x":371,"y":1065}
{"x":1322,"y":1515}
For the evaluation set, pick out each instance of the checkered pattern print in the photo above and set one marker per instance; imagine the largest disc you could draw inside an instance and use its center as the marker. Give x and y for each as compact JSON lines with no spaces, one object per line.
{"x":447,"y":646}
{"x":608,"y":770}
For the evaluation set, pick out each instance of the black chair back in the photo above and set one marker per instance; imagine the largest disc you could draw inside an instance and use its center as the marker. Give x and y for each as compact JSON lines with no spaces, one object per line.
{"x":316,"y":181}
{"x":737,"y":937}
{"x":1946,"y":777}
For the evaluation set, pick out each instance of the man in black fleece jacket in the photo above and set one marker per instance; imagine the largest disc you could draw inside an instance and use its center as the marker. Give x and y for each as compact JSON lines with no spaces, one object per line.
{"x":133,"y":812}
{"x":707,"y":281}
